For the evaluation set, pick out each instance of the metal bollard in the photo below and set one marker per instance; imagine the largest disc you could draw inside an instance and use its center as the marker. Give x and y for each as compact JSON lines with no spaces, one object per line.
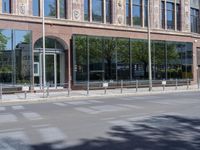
{"x":105,"y":90}
{"x":121,"y":86}
{"x":68,"y":92}
{"x":25,"y":91}
{"x":47,"y":89}
{"x":163,"y":87}
{"x":88,"y":88}
{"x":136,"y":85}
{"x":1,"y":92}
{"x":187,"y":84}
{"x":176,"y":85}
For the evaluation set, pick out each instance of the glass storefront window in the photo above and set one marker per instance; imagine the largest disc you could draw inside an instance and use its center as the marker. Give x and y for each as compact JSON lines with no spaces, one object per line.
{"x":6,"y":53}
{"x":96,"y":59}
{"x":15,"y":56}
{"x":50,"y":8}
{"x":139,"y":57}
{"x":80,"y":58}
{"x":123,"y":59}
{"x":115,"y":59}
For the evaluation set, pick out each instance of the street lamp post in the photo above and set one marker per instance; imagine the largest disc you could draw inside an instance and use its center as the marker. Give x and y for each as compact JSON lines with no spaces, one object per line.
{"x":43,"y":43}
{"x":149,"y":47}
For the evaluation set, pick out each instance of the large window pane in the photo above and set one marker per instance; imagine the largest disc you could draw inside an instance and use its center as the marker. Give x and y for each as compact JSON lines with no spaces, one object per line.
{"x":6,"y":6}
{"x":80,"y":58}
{"x":159,"y":61}
{"x":6,"y":53}
{"x":50,"y":8}
{"x":36,"y":7}
{"x":174,"y":69}
{"x":96,"y":59}
{"x":123,"y":59}
{"x":109,"y":55}
{"x":139,"y":56}
{"x":23,"y":54}
{"x":97,"y":10}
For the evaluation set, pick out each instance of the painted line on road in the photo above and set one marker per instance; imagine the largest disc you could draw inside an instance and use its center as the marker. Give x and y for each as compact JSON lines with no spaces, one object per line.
{"x":8,"y":118}
{"x":2,"y":108}
{"x":78,"y":103}
{"x":60,"y":104}
{"x":11,"y":130}
{"x":40,"y":126}
{"x":130,"y":106}
{"x":20,"y":107}
{"x":87,"y":110}
{"x":32,"y":116}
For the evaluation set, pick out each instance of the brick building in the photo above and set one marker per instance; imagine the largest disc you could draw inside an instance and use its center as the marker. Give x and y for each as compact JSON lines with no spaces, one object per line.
{"x":98,"y":40}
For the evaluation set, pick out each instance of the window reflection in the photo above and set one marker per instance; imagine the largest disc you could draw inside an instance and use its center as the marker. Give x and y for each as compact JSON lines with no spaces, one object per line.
{"x":97,"y":10}
{"x":127,"y":59}
{"x":50,"y":8}
{"x":86,"y":10}
{"x":15,"y":63}
{"x":137,"y":12}
{"x":63,"y":8}
{"x":6,"y":6}
{"x":36,"y":7}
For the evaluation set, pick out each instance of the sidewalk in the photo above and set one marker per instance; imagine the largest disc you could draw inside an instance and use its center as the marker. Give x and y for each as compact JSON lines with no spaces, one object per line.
{"x":77,"y":94}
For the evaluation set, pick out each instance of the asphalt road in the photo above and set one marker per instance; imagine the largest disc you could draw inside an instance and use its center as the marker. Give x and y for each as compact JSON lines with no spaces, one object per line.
{"x":154,"y":122}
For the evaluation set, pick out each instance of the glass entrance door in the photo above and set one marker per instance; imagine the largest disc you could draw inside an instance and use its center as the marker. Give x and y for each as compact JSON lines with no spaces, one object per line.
{"x":50,"y":69}
{"x":54,"y":69}
{"x":51,"y":73}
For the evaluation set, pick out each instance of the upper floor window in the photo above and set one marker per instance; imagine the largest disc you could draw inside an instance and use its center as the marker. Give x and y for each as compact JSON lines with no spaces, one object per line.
{"x":178,"y":17}
{"x":97,"y":10}
{"x":36,"y":7}
{"x":194,"y":20}
{"x":162,"y":15}
{"x":62,"y":8}
{"x":50,"y":8}
{"x":128,"y":18}
{"x":170,"y":15}
{"x":6,"y":6}
{"x":137,"y":12}
{"x":145,"y":13}
{"x":86,"y":10}
{"x":108,"y":11}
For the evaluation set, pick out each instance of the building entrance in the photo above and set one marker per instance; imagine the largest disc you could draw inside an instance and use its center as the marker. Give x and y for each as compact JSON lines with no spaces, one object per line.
{"x":54,"y":64}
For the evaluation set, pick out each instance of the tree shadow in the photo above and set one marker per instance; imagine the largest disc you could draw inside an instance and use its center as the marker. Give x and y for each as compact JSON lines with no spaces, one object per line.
{"x":165,"y":132}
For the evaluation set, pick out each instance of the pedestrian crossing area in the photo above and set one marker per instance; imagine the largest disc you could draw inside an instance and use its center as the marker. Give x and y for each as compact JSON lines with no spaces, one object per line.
{"x":19,"y":138}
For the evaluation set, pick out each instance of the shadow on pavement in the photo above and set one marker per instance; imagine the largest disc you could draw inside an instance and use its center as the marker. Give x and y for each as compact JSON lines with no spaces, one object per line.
{"x":156,"y":133}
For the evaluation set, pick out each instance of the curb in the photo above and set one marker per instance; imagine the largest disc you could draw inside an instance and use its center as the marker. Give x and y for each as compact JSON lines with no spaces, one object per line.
{"x":83,"y":97}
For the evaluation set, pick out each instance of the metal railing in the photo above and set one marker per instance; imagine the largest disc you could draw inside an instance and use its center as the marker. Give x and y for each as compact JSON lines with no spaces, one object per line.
{"x":28,"y":91}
